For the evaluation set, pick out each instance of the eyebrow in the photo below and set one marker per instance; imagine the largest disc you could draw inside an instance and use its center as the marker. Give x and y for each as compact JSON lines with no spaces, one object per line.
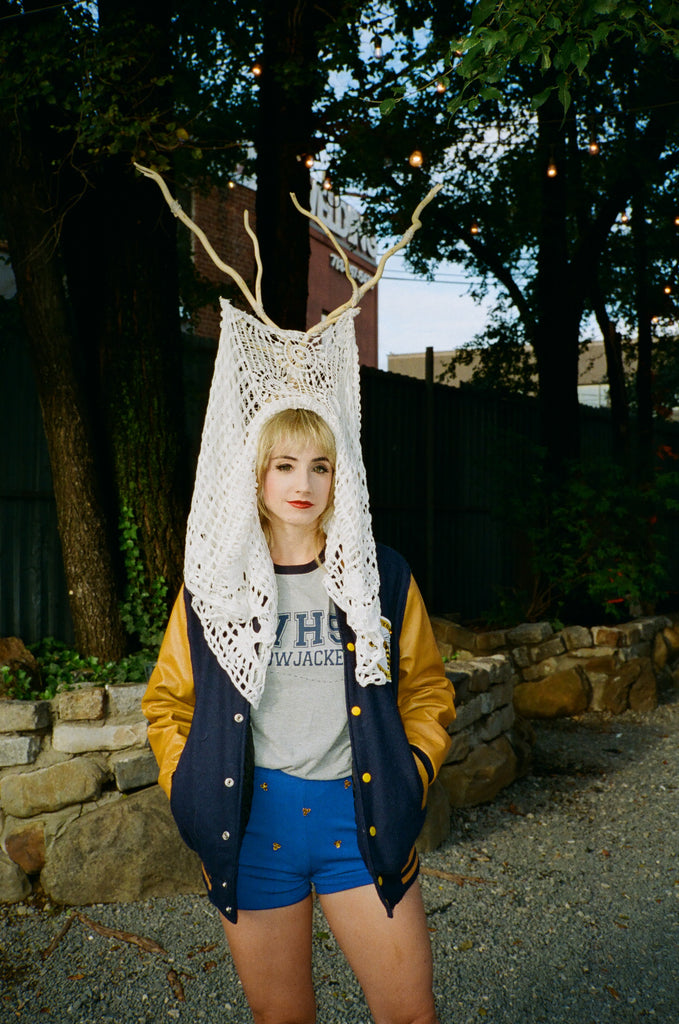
{"x":294,"y":458}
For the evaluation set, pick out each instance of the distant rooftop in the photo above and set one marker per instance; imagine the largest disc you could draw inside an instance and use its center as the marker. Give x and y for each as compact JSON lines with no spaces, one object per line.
{"x":592,"y":376}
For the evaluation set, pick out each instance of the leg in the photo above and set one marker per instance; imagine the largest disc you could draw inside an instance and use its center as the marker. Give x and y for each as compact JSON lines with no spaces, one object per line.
{"x":391,"y":957}
{"x":271,"y":950}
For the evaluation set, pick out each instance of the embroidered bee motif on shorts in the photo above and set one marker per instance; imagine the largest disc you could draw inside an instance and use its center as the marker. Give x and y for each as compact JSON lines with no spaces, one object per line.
{"x":338,"y":843}
{"x":347,"y":783}
{"x":276,"y":846}
{"x":306,"y":810}
{"x":264,"y":786}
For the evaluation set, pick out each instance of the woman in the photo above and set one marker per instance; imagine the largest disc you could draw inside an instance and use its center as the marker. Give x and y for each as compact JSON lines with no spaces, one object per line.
{"x":320,"y":782}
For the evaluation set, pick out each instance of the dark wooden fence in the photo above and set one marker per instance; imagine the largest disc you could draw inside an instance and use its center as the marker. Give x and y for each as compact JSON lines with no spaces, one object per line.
{"x":33,"y":597}
{"x":481,"y":454}
{"x":441,"y":463}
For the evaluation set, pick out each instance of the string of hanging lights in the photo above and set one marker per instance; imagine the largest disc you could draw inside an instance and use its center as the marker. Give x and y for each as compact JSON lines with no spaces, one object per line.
{"x":416,"y":157}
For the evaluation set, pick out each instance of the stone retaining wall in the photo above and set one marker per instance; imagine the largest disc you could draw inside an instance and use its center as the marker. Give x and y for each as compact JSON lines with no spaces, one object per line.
{"x":566,"y":672}
{"x":82,"y":816}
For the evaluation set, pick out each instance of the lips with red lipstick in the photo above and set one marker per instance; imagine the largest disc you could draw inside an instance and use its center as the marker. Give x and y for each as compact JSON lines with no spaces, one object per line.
{"x":301,"y":504}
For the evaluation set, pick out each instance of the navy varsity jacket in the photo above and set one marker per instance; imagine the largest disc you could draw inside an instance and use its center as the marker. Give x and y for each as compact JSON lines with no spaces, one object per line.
{"x":199,"y":729}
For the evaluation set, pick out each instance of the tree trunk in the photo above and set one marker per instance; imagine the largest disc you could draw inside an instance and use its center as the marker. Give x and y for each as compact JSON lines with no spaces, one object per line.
{"x":30,"y":218}
{"x":290,"y":82}
{"x":124,"y":276}
{"x":558,"y":309}
{"x":616,"y":379}
{"x":121,"y":240}
{"x":644,"y":381}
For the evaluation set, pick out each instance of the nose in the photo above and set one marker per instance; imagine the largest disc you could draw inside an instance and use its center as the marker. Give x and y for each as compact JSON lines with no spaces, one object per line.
{"x":303,"y":482}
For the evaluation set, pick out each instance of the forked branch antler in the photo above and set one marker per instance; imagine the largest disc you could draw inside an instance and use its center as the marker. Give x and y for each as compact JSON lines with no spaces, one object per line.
{"x":356,"y":292}
{"x":255,"y":300}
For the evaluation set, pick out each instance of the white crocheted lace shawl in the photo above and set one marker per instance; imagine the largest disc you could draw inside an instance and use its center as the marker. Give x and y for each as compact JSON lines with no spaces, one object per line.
{"x":228,"y":569}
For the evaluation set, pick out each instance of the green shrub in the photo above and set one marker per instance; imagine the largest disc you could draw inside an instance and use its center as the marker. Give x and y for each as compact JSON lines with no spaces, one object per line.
{"x":597,"y":544}
{"x":62,"y":668}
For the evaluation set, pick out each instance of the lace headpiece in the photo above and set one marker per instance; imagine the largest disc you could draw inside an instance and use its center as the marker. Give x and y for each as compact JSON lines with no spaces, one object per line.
{"x":261,"y":370}
{"x":228,"y":568}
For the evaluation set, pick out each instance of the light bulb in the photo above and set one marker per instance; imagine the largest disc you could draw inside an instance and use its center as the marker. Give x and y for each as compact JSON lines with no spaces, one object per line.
{"x":377,"y":43}
{"x":551,"y":169}
{"x":256,"y":69}
{"x":676,"y":221}
{"x":474,"y":228}
{"x":440,"y":86}
{"x":309,"y":161}
{"x":593,"y":146}
{"x":416,"y":159}
{"x":231,"y":184}
{"x":327,"y":183}
{"x":667,"y":289}
{"x":624,"y":218}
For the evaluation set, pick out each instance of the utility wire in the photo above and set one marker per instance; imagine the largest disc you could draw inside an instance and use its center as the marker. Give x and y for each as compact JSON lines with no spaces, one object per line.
{"x":432,"y":280}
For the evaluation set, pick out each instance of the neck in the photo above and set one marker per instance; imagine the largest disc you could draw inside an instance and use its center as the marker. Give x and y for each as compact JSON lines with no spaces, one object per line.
{"x":289,"y":547}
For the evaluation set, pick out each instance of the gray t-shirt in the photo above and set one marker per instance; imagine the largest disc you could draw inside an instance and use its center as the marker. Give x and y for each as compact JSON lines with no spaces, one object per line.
{"x":300,"y":726}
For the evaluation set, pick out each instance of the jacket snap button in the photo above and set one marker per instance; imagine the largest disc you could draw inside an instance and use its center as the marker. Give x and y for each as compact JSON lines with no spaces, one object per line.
{"x":228,"y":783}
{"x":238,"y":717}
{"x":224,"y":885}
{"x":355,"y":710}
{"x":227,"y":910}
{"x":373,"y":830}
{"x":351,"y":647}
{"x":225,"y":836}
{"x":366,"y":776}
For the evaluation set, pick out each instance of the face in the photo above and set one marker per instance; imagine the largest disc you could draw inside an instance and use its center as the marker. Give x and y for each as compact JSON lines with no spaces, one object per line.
{"x":296,"y":485}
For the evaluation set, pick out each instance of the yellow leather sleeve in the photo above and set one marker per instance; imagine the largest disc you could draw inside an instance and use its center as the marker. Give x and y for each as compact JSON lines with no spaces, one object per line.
{"x":425,"y":695}
{"x":170,"y":699}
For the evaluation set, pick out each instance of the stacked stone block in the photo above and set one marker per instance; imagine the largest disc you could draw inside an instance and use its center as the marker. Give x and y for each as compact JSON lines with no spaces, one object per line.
{"x":490,"y":745}
{"x":80,"y":810}
{"x":608,"y":669}
{"x":81,"y":813}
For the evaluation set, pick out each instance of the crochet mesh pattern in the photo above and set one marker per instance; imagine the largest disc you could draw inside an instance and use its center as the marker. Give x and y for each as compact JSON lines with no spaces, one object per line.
{"x":228,"y":571}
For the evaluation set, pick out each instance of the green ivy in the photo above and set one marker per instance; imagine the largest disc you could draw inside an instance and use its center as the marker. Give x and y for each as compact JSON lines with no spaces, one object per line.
{"x":61,"y":668}
{"x":144,"y":609}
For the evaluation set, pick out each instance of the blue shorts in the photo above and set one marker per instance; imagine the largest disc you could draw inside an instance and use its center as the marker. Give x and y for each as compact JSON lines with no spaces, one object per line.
{"x":300,"y":832}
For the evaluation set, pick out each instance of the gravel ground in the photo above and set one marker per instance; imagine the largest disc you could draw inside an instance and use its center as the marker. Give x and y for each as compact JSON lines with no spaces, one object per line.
{"x":559,"y":902}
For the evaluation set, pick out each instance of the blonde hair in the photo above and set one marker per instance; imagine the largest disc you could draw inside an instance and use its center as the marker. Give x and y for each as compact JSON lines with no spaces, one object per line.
{"x":298,"y":427}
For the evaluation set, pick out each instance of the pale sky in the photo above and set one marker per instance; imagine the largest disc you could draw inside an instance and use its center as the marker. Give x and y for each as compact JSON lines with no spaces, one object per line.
{"x":414,"y":313}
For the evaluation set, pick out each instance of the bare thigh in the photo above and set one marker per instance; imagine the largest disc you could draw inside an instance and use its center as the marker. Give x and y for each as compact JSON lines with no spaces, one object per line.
{"x":391,"y":957}
{"x":271,"y":951}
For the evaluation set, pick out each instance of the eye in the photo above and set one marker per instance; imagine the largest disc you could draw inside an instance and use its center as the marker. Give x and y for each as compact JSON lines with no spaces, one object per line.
{"x":321,"y":468}
{"x":283,"y":467}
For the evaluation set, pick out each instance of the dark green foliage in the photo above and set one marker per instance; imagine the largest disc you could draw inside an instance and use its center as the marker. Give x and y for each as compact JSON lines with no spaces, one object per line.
{"x":523,"y":86}
{"x":502,"y":361}
{"x":62,"y":668}
{"x":596,"y":542}
{"x":144,"y":609}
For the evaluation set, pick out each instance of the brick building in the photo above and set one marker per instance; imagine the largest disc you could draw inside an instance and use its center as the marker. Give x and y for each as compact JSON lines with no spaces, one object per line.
{"x":220,"y":215}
